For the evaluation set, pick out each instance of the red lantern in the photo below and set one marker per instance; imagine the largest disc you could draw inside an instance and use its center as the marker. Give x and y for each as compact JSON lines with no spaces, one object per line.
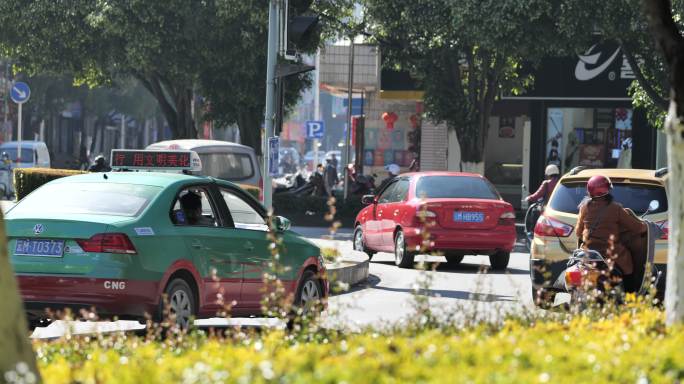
{"x":389,"y":118}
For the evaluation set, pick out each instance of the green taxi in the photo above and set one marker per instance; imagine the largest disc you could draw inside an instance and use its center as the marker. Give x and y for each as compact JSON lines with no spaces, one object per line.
{"x":121,"y":241}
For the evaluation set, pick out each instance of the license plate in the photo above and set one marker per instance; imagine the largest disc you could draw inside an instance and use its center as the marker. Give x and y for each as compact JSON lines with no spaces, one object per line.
{"x":468,"y":217}
{"x":39,"y":247}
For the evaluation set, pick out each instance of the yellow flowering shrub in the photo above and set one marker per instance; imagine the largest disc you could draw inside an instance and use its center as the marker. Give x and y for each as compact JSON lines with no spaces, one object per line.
{"x":632,"y":346}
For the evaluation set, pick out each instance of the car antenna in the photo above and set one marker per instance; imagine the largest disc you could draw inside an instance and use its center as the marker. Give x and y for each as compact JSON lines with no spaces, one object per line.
{"x":105,"y":176}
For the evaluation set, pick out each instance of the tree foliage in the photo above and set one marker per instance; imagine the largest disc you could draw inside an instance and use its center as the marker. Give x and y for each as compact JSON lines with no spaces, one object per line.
{"x":176,"y":49}
{"x":465,"y":53}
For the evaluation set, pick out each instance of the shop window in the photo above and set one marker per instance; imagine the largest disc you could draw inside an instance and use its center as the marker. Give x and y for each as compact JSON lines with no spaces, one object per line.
{"x":592,"y":137}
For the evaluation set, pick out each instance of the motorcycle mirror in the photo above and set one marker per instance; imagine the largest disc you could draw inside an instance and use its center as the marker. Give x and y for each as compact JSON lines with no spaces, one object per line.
{"x":653,"y":205}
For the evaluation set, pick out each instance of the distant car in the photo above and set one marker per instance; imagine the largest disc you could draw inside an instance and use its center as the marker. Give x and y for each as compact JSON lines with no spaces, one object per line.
{"x":461,"y":213}
{"x":221,"y":159}
{"x":34,"y":154}
{"x":554,"y":233}
{"x":119,"y":243}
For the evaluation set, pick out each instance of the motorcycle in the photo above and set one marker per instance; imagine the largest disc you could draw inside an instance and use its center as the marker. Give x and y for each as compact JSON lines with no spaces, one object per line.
{"x":531,"y":216}
{"x":588,"y":274}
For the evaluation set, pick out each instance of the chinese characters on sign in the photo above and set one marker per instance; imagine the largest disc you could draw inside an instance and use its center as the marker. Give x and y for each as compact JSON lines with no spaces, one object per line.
{"x":145,"y":159}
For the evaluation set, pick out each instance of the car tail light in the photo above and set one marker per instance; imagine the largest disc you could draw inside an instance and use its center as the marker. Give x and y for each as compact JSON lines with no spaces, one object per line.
{"x":108,"y":243}
{"x":573,"y":277}
{"x":507,"y":218}
{"x":547,"y":226}
{"x":665,"y":228}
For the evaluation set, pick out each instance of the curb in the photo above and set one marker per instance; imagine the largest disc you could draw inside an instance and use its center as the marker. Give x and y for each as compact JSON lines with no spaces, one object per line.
{"x":348,"y":272}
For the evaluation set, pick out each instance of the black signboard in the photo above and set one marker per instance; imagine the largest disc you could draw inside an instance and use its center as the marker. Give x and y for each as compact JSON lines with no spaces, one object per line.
{"x":140,"y":159}
{"x":600,"y":72}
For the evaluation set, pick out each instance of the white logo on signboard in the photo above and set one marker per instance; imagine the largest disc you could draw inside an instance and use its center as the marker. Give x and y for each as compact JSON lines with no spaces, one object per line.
{"x":582,"y":73}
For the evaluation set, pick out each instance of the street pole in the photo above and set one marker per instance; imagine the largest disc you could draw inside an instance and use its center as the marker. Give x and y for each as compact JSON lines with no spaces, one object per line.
{"x":347,"y":147}
{"x":273,"y":26}
{"x":123,"y":131}
{"x":19,"y":133}
{"x":317,"y":106}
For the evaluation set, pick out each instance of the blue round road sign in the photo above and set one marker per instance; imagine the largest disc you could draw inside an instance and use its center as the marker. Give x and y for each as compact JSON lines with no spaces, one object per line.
{"x":20,"y":92}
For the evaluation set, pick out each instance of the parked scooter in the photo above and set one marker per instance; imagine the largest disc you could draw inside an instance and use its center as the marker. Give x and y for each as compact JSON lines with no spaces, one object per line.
{"x":588,"y":274}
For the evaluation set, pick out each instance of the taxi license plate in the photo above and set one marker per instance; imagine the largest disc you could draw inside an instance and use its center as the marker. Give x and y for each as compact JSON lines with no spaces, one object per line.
{"x":468,"y":217}
{"x":39,"y":247}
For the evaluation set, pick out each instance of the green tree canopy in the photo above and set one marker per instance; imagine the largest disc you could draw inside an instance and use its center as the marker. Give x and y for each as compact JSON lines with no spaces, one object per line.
{"x":465,"y":53}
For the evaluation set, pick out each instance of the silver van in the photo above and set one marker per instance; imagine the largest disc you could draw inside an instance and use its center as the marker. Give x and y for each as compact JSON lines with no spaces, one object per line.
{"x":220,"y":159}
{"x":34,"y":154}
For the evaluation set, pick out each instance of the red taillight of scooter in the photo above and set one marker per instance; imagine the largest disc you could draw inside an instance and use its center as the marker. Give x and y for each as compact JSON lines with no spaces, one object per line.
{"x":573,"y":276}
{"x":547,"y":226}
{"x":665,"y":228}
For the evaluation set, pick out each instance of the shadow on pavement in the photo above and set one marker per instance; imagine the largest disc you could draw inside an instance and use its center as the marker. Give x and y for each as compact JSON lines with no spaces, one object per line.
{"x":372,"y":281}
{"x":465,"y":268}
{"x":463,"y":295}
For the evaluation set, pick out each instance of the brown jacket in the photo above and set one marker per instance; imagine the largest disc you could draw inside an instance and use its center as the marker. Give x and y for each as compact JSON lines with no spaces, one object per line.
{"x":612,"y":221}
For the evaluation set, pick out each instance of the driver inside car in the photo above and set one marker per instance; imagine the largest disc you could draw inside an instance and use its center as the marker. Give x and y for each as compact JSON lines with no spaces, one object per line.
{"x":191,"y":204}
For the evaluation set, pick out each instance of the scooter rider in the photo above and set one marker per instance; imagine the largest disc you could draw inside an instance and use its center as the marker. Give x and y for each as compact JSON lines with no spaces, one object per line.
{"x":600,"y":222}
{"x":552,"y":174}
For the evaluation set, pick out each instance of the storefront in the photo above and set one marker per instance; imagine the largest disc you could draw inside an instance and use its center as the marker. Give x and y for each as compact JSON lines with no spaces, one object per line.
{"x":580,"y":114}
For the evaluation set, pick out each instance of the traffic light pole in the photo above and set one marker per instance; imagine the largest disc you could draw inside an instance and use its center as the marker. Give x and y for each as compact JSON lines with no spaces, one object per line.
{"x":347,"y":139}
{"x":273,"y":33}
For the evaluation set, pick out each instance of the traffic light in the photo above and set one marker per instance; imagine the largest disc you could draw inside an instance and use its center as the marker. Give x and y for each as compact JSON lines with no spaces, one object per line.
{"x":302,"y":27}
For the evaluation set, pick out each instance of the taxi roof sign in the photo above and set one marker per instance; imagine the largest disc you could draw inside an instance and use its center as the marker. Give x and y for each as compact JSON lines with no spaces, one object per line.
{"x":154,"y":160}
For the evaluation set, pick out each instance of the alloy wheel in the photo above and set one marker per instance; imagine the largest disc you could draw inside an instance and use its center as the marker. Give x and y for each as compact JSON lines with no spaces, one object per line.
{"x":310,"y":294}
{"x":399,"y":248}
{"x":358,"y":240}
{"x":181,"y":306}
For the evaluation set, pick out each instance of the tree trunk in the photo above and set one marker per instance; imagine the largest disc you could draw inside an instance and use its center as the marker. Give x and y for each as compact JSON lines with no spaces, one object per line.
{"x":671,"y":43}
{"x":16,"y":353}
{"x":249,"y":123}
{"x":174,"y":103}
{"x":674,"y":290}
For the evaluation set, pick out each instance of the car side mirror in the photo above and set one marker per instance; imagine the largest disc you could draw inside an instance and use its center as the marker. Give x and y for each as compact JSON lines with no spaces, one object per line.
{"x":281,"y":224}
{"x":368,"y":199}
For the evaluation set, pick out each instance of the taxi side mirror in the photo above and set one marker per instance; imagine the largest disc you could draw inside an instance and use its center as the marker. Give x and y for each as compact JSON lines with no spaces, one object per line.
{"x":281,"y":224}
{"x":368,"y":199}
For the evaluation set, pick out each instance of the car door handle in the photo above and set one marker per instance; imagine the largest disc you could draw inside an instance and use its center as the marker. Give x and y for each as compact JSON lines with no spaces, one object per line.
{"x":249,"y":246}
{"x":196,"y":244}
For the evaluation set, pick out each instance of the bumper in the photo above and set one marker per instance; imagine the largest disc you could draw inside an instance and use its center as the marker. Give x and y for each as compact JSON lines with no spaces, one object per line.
{"x":123,"y":298}
{"x":480,"y":241}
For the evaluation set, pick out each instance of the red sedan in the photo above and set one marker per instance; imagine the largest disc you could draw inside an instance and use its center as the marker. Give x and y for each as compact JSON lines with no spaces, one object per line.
{"x":451,"y":213}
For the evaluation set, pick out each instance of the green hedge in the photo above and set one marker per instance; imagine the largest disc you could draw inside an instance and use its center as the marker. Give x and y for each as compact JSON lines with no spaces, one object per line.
{"x":26,"y":180}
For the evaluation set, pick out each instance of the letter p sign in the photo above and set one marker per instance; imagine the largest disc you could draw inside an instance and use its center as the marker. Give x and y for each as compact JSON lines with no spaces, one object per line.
{"x":315,"y":129}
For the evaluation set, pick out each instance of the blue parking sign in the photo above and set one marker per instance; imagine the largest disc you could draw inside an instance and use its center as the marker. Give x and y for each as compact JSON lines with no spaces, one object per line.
{"x":315,"y":129}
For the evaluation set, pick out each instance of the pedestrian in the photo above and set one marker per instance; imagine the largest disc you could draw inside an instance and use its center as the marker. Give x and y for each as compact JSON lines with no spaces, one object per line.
{"x":330,"y":177}
{"x":318,"y":181}
{"x":333,"y":159}
{"x":392,"y":172}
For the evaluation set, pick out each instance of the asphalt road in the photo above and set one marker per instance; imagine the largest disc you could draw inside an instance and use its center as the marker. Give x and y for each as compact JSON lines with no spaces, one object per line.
{"x":389,"y":298}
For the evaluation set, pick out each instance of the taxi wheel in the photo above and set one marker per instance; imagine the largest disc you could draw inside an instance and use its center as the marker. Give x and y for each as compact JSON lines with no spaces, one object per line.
{"x":499,"y":260}
{"x":309,"y":292}
{"x":181,"y":302}
{"x":402,"y":257}
{"x":359,"y":244}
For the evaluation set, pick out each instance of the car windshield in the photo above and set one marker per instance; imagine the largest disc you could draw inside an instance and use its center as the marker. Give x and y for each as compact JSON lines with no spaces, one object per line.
{"x":26,"y":153}
{"x":568,"y":196}
{"x":455,"y":187}
{"x":87,"y":198}
{"x":227,"y":166}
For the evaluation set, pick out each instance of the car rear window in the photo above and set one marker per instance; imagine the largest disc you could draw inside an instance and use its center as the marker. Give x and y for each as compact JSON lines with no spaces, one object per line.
{"x":87,"y":198}
{"x":445,"y":187}
{"x":227,"y":166}
{"x":568,"y":196}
